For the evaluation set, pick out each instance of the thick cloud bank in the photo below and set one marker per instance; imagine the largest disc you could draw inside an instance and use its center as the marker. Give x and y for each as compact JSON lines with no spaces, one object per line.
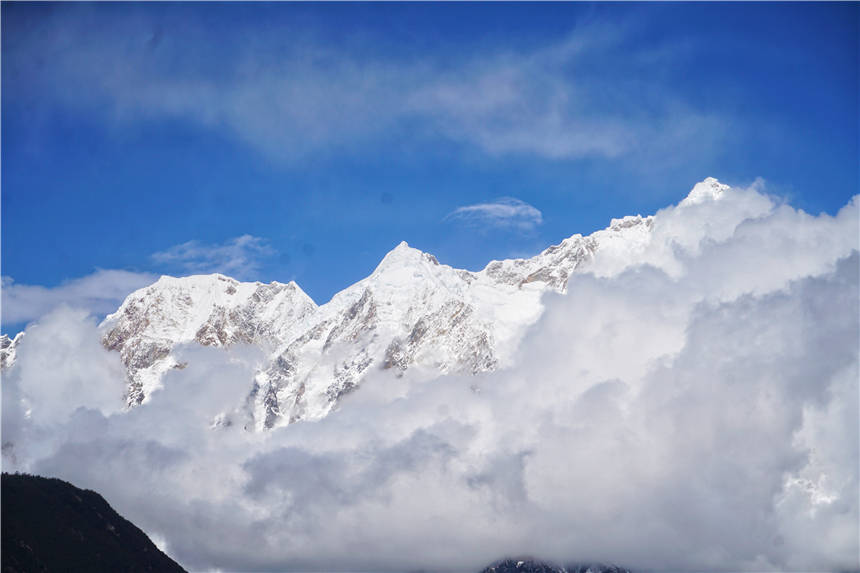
{"x":697,"y":411}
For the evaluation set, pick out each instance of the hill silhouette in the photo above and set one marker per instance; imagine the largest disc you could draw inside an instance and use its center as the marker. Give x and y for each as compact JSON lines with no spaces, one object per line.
{"x":50,"y":525}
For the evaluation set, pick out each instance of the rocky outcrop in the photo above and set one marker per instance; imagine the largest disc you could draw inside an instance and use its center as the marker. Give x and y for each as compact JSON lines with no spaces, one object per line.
{"x":8,"y":349}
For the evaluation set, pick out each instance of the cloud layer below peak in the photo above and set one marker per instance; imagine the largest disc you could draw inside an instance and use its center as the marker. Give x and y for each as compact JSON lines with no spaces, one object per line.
{"x":701,"y":393}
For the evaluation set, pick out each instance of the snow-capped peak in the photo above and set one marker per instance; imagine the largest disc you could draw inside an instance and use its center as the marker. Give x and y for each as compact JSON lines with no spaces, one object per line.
{"x":410,"y":312}
{"x":212,"y":310}
{"x":708,"y":190}
{"x":404,"y":256}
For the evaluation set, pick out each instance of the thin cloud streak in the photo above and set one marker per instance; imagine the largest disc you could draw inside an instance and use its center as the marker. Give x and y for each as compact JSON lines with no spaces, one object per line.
{"x":506,"y":212}
{"x":239,"y":257}
{"x":299,"y":98}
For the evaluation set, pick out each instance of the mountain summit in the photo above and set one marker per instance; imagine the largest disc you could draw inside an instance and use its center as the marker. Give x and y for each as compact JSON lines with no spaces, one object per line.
{"x":410,"y":312}
{"x":708,"y":190}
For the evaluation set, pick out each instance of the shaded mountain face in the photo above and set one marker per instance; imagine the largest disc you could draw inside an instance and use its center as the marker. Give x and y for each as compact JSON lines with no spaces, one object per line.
{"x":51,"y":525}
{"x":411,"y":313}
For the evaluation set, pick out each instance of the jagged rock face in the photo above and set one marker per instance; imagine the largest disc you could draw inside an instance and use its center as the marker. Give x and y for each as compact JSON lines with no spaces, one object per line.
{"x":8,"y":348}
{"x":551,"y":268}
{"x":449,"y":327}
{"x":210,"y":310}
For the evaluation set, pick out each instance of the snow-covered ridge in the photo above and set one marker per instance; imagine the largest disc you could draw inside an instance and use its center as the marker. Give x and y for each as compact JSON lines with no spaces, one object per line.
{"x":410,"y":312}
{"x":212,"y":310}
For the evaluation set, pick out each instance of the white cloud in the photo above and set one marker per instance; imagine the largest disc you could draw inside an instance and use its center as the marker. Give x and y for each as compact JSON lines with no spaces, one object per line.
{"x":64,"y":366}
{"x":707,"y":400}
{"x":293,"y":97}
{"x":103,"y":291}
{"x":98,"y":293}
{"x":535,"y":103}
{"x":504,"y":212}
{"x":239,"y":257}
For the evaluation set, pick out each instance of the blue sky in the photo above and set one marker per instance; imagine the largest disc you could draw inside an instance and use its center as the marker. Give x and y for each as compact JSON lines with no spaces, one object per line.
{"x":303,"y":141}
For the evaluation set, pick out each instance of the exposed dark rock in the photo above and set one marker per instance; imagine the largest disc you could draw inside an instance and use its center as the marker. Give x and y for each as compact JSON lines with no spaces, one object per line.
{"x":272,"y":407}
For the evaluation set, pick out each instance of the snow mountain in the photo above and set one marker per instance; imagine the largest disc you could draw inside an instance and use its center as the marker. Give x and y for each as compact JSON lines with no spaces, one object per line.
{"x":411,"y":312}
{"x":8,"y":349}
{"x":211,"y":310}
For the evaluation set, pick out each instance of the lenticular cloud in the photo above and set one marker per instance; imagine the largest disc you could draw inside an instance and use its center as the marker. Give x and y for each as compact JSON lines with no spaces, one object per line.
{"x":689,"y":404}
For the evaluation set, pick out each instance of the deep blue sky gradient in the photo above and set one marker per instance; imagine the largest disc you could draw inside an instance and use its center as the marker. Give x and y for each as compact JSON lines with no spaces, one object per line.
{"x":85,"y":186}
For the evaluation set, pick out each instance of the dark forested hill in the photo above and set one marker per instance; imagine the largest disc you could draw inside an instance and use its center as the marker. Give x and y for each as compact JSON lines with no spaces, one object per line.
{"x":50,"y":525}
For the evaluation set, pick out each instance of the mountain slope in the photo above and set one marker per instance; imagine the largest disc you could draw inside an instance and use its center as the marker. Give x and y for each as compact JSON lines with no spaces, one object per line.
{"x":50,"y":525}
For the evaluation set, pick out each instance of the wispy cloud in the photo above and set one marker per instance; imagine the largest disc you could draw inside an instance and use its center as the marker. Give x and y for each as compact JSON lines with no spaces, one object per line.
{"x":291,"y":98}
{"x":238,"y":257}
{"x":98,"y":293}
{"x":506,"y":212}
